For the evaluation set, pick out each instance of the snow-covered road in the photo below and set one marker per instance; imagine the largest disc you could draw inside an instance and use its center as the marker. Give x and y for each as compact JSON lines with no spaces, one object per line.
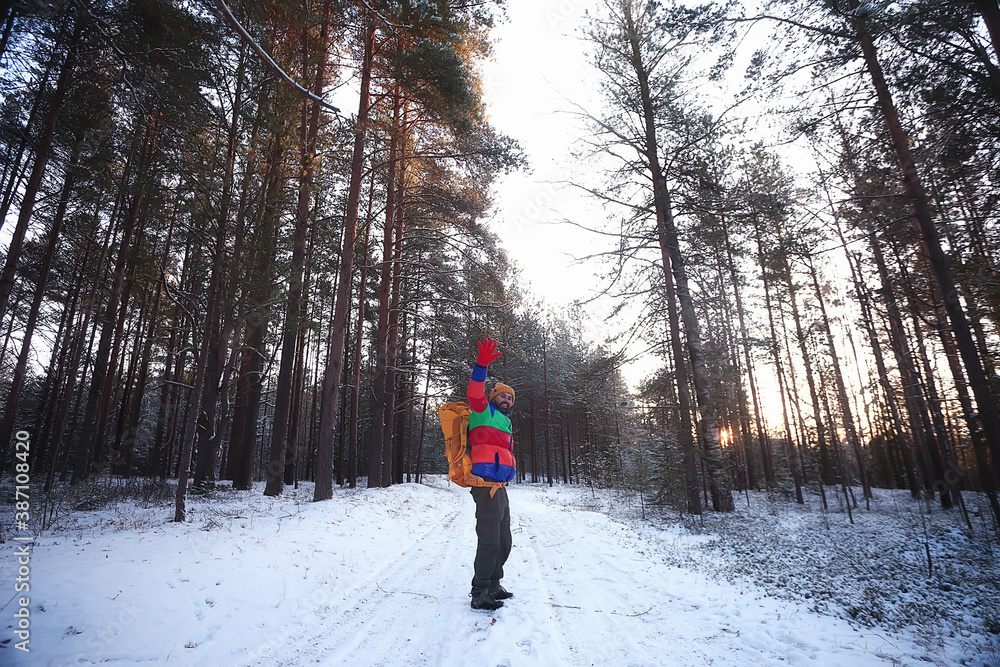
{"x":382,"y":577}
{"x":587,"y":592}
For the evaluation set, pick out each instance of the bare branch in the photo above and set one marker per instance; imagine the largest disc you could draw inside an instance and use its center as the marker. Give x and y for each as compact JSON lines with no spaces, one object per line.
{"x":273,"y":66}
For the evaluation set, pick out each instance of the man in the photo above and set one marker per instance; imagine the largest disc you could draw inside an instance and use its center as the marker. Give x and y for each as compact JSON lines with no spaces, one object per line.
{"x":492,"y":459}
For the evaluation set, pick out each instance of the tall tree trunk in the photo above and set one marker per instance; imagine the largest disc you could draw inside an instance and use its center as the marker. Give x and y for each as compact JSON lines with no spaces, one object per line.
{"x":735,"y":419}
{"x":685,"y":430}
{"x":406,"y":431}
{"x":92,"y":413}
{"x":56,"y":374}
{"x":826,"y":464}
{"x":62,"y":385}
{"x":564,"y":449}
{"x":222,"y":326}
{"x":762,"y":438}
{"x":173,"y":369}
{"x":244,"y":440}
{"x":838,"y":455}
{"x":986,"y":480}
{"x":31,"y":188}
{"x":791,"y":450}
{"x":423,"y":412}
{"x":170,"y":420}
{"x":194,"y":407}
{"x":331,"y":377}
{"x":127,"y":382}
{"x":17,"y":381}
{"x":293,"y":441}
{"x":214,"y":297}
{"x":353,"y":445}
{"x":225,"y":424}
{"x":392,"y":347}
{"x":938,"y":446}
{"x":548,"y":428}
{"x":343,"y":433}
{"x":708,"y":428}
{"x":276,"y":466}
{"x":381,"y":389}
{"x":673,"y":263}
{"x":135,"y":417}
{"x":914,"y":189}
{"x":397,"y":440}
{"x":343,"y":406}
{"x":896,"y":421}
{"x":847,"y":416}
{"x":204,"y":470}
{"x":912,"y":392}
{"x":906,"y":443}
{"x":115,"y":388}
{"x":792,"y":387}
{"x":247,"y":225}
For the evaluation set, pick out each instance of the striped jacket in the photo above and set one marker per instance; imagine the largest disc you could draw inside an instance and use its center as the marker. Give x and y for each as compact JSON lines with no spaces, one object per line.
{"x":489,"y":433}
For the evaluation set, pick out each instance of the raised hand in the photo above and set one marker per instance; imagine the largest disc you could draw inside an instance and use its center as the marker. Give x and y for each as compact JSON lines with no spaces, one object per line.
{"x":487,"y":352}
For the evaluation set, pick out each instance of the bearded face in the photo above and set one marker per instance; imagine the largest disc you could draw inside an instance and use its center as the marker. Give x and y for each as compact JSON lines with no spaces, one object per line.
{"x":503,"y":401}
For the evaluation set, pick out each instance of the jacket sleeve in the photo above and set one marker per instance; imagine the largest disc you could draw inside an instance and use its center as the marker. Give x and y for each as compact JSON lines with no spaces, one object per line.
{"x":476,"y":392}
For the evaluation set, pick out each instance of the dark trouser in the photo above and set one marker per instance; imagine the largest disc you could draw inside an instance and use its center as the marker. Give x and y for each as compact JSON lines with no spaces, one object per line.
{"x":493,"y":529}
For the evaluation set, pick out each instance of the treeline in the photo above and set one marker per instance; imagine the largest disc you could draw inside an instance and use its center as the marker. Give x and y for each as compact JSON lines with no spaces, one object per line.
{"x":826,"y":315}
{"x":214,"y":272}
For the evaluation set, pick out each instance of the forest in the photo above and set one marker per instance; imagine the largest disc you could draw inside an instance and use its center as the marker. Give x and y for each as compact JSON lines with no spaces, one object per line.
{"x":248,"y":243}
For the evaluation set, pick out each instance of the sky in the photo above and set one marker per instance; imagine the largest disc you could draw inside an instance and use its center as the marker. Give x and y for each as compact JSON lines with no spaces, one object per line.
{"x":539,"y":78}
{"x":535,"y":85}
{"x":538,"y":72}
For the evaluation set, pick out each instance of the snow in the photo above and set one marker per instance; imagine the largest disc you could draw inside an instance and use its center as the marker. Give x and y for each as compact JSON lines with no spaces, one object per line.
{"x":381,"y":577}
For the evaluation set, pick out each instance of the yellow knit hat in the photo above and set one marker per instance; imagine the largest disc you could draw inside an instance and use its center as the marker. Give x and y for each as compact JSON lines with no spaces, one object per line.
{"x":500,"y":388}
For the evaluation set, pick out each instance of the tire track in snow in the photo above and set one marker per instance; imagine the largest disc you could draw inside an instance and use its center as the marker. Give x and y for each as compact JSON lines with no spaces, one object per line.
{"x":632,"y":617}
{"x":617,"y":603}
{"x":414,"y":608}
{"x":565,"y":558}
{"x":544,"y":596}
{"x":381,"y":627}
{"x":525,"y":633}
{"x":398,"y":613}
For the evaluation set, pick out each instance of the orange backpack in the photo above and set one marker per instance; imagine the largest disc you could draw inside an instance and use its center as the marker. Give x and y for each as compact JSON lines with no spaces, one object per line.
{"x":455,"y":426}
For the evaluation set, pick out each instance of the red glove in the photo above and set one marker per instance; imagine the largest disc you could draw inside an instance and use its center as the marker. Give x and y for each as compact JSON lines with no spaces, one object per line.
{"x":487,"y":352}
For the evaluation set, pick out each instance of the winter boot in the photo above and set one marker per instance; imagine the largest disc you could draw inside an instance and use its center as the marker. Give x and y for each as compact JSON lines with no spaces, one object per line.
{"x":485,"y":600}
{"x":500,"y":593}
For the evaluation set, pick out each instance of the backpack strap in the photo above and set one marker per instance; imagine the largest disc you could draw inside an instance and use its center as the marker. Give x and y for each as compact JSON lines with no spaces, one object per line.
{"x":473,"y":480}
{"x":464,"y":430}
